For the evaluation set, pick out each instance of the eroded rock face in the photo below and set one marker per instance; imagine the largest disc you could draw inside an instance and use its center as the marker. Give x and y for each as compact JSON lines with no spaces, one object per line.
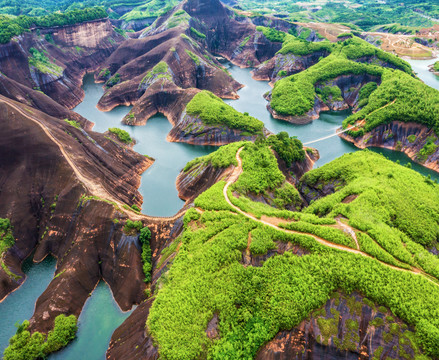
{"x":347,"y":327}
{"x":188,"y":66}
{"x":234,"y":38}
{"x":198,"y":179}
{"x":71,"y":52}
{"x":131,"y":340}
{"x":289,"y":64}
{"x":48,"y":167}
{"x":192,"y":130}
{"x":409,"y":138}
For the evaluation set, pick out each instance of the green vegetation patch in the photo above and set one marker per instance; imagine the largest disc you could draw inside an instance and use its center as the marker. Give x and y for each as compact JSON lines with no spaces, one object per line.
{"x":41,"y":62}
{"x":144,"y":238}
{"x":213,"y":111}
{"x":122,"y":135}
{"x":290,"y":149}
{"x":295,"y":95}
{"x":222,"y":158}
{"x":260,"y":171}
{"x":400,"y":97}
{"x":197,"y":33}
{"x":394,"y":206}
{"x":300,"y":47}
{"x":6,"y":237}
{"x":149,"y":9}
{"x":411,"y":138}
{"x":329,"y":93}
{"x":159,"y":71}
{"x":272,"y":34}
{"x":436,"y":66}
{"x":73,"y":123}
{"x":194,"y":57}
{"x":25,"y":346}
{"x":428,"y":149}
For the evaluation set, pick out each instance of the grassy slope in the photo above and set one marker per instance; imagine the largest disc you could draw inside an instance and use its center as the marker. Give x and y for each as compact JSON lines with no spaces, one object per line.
{"x":207,"y":276}
{"x":213,"y":111}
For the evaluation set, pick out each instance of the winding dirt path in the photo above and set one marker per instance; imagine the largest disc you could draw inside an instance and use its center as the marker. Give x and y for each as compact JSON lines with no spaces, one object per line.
{"x":235,"y":175}
{"x":93,"y":187}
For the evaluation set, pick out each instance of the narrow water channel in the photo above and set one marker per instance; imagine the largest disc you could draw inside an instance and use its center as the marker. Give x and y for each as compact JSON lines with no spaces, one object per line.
{"x":20,"y":305}
{"x":160,"y":196}
{"x":97,"y":322}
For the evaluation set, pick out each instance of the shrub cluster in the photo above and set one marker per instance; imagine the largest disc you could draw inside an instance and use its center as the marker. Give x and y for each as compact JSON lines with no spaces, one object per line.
{"x":290,"y":149}
{"x":213,"y":111}
{"x":122,"y":135}
{"x":26,"y":346}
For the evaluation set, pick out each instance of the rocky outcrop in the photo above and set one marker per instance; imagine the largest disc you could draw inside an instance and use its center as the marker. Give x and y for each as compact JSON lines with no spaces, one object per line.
{"x":199,"y":178}
{"x":161,"y":97}
{"x":188,"y":66}
{"x":53,"y":177}
{"x":297,"y":169}
{"x":164,"y":97}
{"x":131,"y":339}
{"x":348,"y":327}
{"x":284,"y":65}
{"x":431,"y":69}
{"x":70,"y":52}
{"x":193,"y":130}
{"x":38,"y":100}
{"x":410,"y":138}
{"x":228,"y":35}
{"x":349,"y":85}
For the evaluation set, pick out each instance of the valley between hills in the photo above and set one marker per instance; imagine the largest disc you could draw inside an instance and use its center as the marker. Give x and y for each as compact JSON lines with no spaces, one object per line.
{"x":205,"y":180}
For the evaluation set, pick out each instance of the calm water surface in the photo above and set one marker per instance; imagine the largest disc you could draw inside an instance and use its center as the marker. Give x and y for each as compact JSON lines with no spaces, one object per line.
{"x":160,"y":196}
{"x":20,"y":305}
{"x":97,"y":322}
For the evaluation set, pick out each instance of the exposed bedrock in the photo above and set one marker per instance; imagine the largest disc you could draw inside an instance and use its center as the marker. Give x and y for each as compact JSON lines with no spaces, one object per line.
{"x":198,"y":179}
{"x":188,"y":66}
{"x":40,"y":187}
{"x":38,"y":100}
{"x":349,"y":85}
{"x":289,"y":63}
{"x":161,"y":97}
{"x":164,"y":97}
{"x":131,"y":340}
{"x":96,"y":248}
{"x":236,"y":40}
{"x":409,"y":138}
{"x":71,"y":51}
{"x":347,"y":327}
{"x":193,"y":130}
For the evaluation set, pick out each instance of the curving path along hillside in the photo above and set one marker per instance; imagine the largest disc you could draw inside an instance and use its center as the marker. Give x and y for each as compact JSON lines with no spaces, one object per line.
{"x":235,"y":175}
{"x":93,"y":187}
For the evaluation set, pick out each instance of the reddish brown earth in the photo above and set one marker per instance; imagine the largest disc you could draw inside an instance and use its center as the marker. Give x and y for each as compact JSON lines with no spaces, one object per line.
{"x":76,"y":49}
{"x":41,"y":193}
{"x":394,"y":136}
